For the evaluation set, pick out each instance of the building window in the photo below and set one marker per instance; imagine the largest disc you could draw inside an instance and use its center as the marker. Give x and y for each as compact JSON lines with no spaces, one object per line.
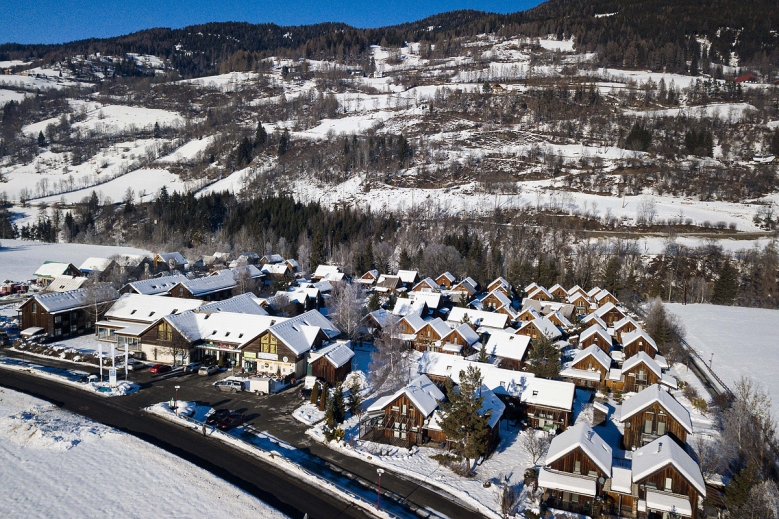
{"x":668,"y":485}
{"x":73,"y":328}
{"x":35,"y":308}
{"x":268,"y":344}
{"x":577,"y":467}
{"x":58,"y":332}
{"x":57,"y":319}
{"x":164,"y":332}
{"x":660,"y":428}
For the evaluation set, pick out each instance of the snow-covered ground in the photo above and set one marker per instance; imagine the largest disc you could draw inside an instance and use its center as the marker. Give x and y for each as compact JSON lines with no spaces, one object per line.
{"x":7,"y":96}
{"x":57,"y":464}
{"x":145,"y":182}
{"x":742,"y":341}
{"x":113,"y":118}
{"x":19,"y":259}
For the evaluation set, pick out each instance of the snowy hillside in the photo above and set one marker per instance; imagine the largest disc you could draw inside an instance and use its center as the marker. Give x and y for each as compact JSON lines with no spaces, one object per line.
{"x":80,"y":468}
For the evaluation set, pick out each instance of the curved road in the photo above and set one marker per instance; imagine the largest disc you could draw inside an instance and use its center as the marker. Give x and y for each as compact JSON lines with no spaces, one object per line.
{"x":266,"y":482}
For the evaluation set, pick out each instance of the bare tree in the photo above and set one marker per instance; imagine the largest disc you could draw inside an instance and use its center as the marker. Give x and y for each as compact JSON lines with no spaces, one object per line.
{"x":390,"y":361}
{"x":708,"y":452}
{"x":535,"y":443}
{"x":347,"y":308}
{"x":244,"y":281}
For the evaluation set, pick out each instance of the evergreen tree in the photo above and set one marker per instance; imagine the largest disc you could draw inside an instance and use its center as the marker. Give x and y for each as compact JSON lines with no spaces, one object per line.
{"x":317,"y":248}
{"x":404,"y":261}
{"x":339,"y":406}
{"x":355,"y":396}
{"x":460,"y":418}
{"x":374,"y":303}
{"x":283,"y":143}
{"x":157,"y":132}
{"x":738,"y":491}
{"x":261,"y":136}
{"x":315,"y":394}
{"x":726,"y":286}
{"x":544,"y":358}
{"x":41,"y":140}
{"x":610,"y":279}
{"x":639,"y":138}
{"x":775,"y":142}
{"x":325,"y":396}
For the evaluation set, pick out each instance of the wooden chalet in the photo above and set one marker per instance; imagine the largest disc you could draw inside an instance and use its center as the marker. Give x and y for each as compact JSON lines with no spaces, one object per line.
{"x":459,"y":341}
{"x":638,"y":372}
{"x":165,"y":261}
{"x":429,"y":336}
{"x":541,"y":327}
{"x":577,"y":465}
{"x":638,"y":341}
{"x":369,"y":278}
{"x":409,"y":278}
{"x":624,"y":326}
{"x":502,"y":285}
{"x":528,"y":313}
{"x":604,"y":297}
{"x":595,"y":335}
{"x":446,"y":280}
{"x":427,"y":284}
{"x":508,"y":348}
{"x":540,"y":294}
{"x":610,"y":314}
{"x":548,"y":404}
{"x":495,"y":299}
{"x":51,"y":269}
{"x":667,"y":479}
{"x":216,"y":287}
{"x":387,"y":284}
{"x":558,"y":292}
{"x":66,"y":314}
{"x":331,"y":363}
{"x":589,"y":368}
{"x":580,"y":302}
{"x":652,"y":413}
{"x":100,"y":269}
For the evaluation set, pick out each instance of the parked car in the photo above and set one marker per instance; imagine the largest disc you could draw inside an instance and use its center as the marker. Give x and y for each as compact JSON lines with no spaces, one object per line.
{"x":134,"y":365}
{"x":160,"y":368}
{"x":207,"y":370}
{"x":4,"y":339}
{"x":217,"y":416}
{"x":232,"y":420}
{"x":192,"y":367}
{"x":232,"y":386}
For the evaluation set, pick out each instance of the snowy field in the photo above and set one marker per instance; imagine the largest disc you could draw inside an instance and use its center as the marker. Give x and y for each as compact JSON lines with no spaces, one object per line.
{"x":19,"y":259}
{"x":743,"y":341}
{"x":56,"y":464}
{"x":146,"y":182}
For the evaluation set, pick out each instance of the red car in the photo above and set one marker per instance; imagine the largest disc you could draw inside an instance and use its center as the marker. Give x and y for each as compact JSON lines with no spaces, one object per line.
{"x":232,"y":420}
{"x":159,"y":368}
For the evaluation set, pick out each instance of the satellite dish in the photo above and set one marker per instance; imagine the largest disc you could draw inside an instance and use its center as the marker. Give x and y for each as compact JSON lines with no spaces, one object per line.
{"x":601,"y":480}
{"x":285,"y":359}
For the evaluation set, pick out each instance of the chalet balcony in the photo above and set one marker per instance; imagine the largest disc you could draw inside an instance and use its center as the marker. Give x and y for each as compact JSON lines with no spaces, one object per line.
{"x":648,"y":438}
{"x":396,"y":430}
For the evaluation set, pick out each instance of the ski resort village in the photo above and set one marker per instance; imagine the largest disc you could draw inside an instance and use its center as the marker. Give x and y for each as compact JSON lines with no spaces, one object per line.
{"x":512,"y":401}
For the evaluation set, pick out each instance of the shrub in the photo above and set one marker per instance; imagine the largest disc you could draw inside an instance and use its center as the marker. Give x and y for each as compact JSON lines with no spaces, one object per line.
{"x":701,"y":405}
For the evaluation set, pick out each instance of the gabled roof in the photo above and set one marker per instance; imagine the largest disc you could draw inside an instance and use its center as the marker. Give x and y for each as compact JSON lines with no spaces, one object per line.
{"x":448,"y":275}
{"x":593,"y":351}
{"x":51,"y":269}
{"x":221,"y":327}
{"x":62,"y":301}
{"x":421,"y":391}
{"x":573,"y":297}
{"x":564,"y":322}
{"x":409,"y":276}
{"x":299,"y":333}
{"x":581,"y":436}
{"x":471,"y":281}
{"x":148,"y":309}
{"x":384,"y":318}
{"x":65,"y":283}
{"x":593,"y":291}
{"x":478,"y":318}
{"x":240,"y":304}
{"x":638,"y":333}
{"x":275,"y":268}
{"x":409,"y":306}
{"x":368,"y":278}
{"x":532,"y":286}
{"x":576,"y":288}
{"x":158,"y":285}
{"x":386,"y":283}
{"x":95,"y":265}
{"x":502,"y":298}
{"x":549,"y":393}
{"x":593,"y":330}
{"x":223,"y":280}
{"x":427,"y":282}
{"x":432,"y":299}
{"x":464,"y":284}
{"x":603,"y":293}
{"x":656,"y":394}
{"x":544,"y":326}
{"x":539,"y":291}
{"x":293,"y":263}
{"x":439,"y":327}
{"x":274,"y":258}
{"x":323,"y":270}
{"x":640,"y":357}
{"x":506,"y":345}
{"x":500,"y":282}
{"x":337,"y":354}
{"x":530,"y":309}
{"x":176,"y":257}
{"x":557,"y":286}
{"x":466,"y":332}
{"x":625,"y":320}
{"x":663,"y":452}
{"x":603,"y":310}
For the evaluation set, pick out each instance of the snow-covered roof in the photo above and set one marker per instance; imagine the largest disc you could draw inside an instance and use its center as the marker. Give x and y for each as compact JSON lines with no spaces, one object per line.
{"x":593,"y":351}
{"x":530,"y":309}
{"x":62,"y":301}
{"x":582,"y":374}
{"x":549,"y":393}
{"x":576,"y":288}
{"x":223,"y":280}
{"x":415,"y":321}
{"x":238,"y":329}
{"x":51,"y":269}
{"x":240,"y":304}
{"x":293,"y":263}
{"x":656,"y":394}
{"x":408,"y":306}
{"x":574,"y":296}
{"x":467,"y":286}
{"x":593,"y":319}
{"x":621,"y":480}
{"x":65,"y":283}
{"x":637,"y":334}
{"x":557,"y":286}
{"x":499,"y":381}
{"x":273,"y":258}
{"x":626,"y":320}
{"x":176,"y":257}
{"x":500,"y":296}
{"x":386,"y":283}
{"x":540,"y":291}
{"x":337,"y":354}
{"x":426,"y":284}
{"x":130,"y":260}
{"x":148,"y":309}
{"x":581,"y":436}
{"x":501,"y":282}
{"x":478,"y":317}
{"x":532,"y":286}
{"x":384,"y":318}
{"x":662,"y":452}
{"x":603,"y":293}
{"x":662,"y":501}
{"x":299,"y":333}
{"x":421,"y":391}
{"x":564,"y":322}
{"x":323,"y":270}
{"x":439,"y":327}
{"x":449,"y":276}
{"x":466,"y":332}
{"x":95,"y":264}
{"x":278,"y":269}
{"x":593,"y":291}
{"x":368,"y":278}
{"x":158,"y":285}
{"x":408,"y":276}
{"x":593,"y":330}
{"x":432,"y":299}
{"x":545,"y":326}
{"x":603,"y":310}
{"x":566,"y":482}
{"x":506,"y":345}
{"x":637,"y":359}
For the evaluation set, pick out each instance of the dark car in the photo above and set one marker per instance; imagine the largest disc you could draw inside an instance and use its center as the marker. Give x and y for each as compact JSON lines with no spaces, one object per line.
{"x":192,"y":367}
{"x":217,"y":416}
{"x":232,"y":420}
{"x":160,"y":368}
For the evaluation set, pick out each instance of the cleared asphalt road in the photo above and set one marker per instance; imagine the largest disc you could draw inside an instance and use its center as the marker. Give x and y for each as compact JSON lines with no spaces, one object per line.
{"x":272,"y":413}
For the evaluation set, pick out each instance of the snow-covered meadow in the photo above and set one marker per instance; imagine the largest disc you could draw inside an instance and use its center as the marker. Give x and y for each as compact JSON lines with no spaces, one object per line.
{"x":57,"y":464}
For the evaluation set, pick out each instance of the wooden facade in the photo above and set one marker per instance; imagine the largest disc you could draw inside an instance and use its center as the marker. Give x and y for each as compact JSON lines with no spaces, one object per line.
{"x":542,"y":417}
{"x":401,"y":424}
{"x":668,"y":479}
{"x":639,"y":344}
{"x":183,"y":292}
{"x":608,"y":298}
{"x":575,"y":463}
{"x":65,"y":323}
{"x":491,"y":302}
{"x":324,"y":369}
{"x":445,"y":281}
{"x":589,"y":363}
{"x":426,"y":338}
{"x":649,"y":424}
{"x":638,"y":378}
{"x":597,"y":340}
{"x":612,"y":316}
{"x":161,"y":340}
{"x":627,"y":327}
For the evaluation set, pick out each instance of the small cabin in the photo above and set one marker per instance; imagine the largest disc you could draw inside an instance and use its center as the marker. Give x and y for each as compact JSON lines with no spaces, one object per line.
{"x":652,"y":413}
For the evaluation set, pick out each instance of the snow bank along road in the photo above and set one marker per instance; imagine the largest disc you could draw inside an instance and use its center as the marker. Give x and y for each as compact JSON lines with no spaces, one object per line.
{"x":285,"y":493}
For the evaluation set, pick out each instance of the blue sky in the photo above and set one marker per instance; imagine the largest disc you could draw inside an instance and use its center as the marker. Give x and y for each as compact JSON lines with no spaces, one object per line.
{"x":56,"y":21}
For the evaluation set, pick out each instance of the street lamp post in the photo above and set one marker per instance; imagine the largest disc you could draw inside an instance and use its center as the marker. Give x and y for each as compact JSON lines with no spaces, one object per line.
{"x":177,"y":399}
{"x":378,"y":490}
